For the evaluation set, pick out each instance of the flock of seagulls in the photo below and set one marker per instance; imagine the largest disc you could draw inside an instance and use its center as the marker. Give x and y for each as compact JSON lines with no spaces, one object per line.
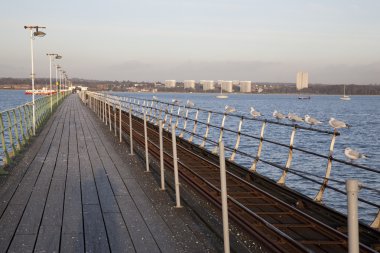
{"x":334,"y":123}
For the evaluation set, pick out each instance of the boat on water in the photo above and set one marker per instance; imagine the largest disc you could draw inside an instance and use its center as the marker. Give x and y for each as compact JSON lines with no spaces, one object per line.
{"x":42,"y":91}
{"x":221,"y":94}
{"x":345,"y":97}
{"x":304,"y":97}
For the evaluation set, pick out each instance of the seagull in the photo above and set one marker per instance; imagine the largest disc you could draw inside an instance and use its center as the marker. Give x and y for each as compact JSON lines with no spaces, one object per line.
{"x":294,"y":117}
{"x":312,"y":121}
{"x":229,"y":109}
{"x":353,"y":154}
{"x":336,"y":124}
{"x":155,"y":98}
{"x":278,"y":115}
{"x":190,"y":103}
{"x":255,"y":113}
{"x":175,"y":101}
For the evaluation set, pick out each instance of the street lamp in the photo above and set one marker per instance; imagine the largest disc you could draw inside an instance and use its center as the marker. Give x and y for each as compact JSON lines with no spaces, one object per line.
{"x":57,"y":67}
{"x":34,"y":32}
{"x":56,"y":56}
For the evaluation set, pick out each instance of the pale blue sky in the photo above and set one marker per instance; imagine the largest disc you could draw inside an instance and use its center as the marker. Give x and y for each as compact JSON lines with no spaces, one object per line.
{"x":336,"y":41}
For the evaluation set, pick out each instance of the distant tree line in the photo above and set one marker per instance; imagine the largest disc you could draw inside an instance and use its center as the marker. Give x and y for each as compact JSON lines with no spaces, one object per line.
{"x":285,"y":88}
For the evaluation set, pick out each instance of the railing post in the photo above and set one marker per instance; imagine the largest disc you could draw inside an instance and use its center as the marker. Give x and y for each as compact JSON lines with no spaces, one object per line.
{"x":109,"y":115}
{"x":146,"y":143}
{"x":215,"y":150}
{"x":120,"y":131}
{"x":195,"y":126}
{"x":130,"y":129}
{"x":114,"y":117}
{"x":21,"y":126}
{"x":10,"y":135}
{"x":175,"y":164}
{"x":206,"y":132}
{"x":232,"y":157}
{"x":6,"y":159}
{"x":352,"y":187}
{"x":185,"y":123}
{"x":105,"y":109}
{"x":290,"y":157}
{"x":254,"y":164}
{"x":223,"y":193}
{"x":319,"y":196}
{"x":16,"y":127}
{"x":162,"y":168}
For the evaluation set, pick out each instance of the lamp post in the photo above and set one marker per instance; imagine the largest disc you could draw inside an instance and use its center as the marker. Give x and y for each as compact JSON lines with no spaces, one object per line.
{"x":51,"y":89}
{"x":57,"y":67}
{"x":34,"y":32}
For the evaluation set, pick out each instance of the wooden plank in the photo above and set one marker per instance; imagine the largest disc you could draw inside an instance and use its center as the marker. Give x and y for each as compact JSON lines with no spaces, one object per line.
{"x":72,"y":243}
{"x":48,"y":239}
{"x":119,"y":238}
{"x":22,"y":243}
{"x":95,"y":232}
{"x":8,"y":224}
{"x":140,"y":234}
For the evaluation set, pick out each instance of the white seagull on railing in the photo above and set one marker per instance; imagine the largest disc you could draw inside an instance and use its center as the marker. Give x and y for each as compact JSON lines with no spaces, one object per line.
{"x":255,"y":113}
{"x":294,"y":117}
{"x":353,"y":154}
{"x":229,"y":109}
{"x":190,"y":103}
{"x":278,"y":115}
{"x":175,"y":101}
{"x":312,"y":121}
{"x":155,"y":98}
{"x":336,"y":124}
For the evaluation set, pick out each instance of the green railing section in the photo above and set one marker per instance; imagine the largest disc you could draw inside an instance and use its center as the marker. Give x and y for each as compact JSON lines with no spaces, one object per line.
{"x":16,"y":125}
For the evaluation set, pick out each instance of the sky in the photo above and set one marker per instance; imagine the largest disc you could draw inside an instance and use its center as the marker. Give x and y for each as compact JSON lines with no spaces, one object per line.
{"x":336,"y":41}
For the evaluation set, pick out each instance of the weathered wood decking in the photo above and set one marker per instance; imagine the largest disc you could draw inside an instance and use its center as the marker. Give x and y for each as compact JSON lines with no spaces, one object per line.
{"x":73,"y":192}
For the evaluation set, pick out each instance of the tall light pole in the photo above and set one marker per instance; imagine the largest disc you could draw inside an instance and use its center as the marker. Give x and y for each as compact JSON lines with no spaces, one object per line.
{"x":56,"y":79}
{"x":56,"y":56}
{"x":34,"y":33}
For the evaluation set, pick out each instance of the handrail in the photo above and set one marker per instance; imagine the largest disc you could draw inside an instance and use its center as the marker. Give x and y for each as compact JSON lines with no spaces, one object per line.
{"x":16,"y":126}
{"x":211,"y":133}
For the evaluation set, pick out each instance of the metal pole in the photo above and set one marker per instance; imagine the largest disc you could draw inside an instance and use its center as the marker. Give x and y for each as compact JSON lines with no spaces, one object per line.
{"x":223,"y":188}
{"x":33,"y":105}
{"x":162,"y":169}
{"x":175,"y":162}
{"x":51,"y":94}
{"x":120,"y":121}
{"x":130,"y":128}
{"x":352,"y":187}
{"x":146,"y":144}
{"x":56,"y":80}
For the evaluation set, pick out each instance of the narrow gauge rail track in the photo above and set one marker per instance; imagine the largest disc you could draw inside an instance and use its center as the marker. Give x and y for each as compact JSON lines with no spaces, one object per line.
{"x":279,"y":225}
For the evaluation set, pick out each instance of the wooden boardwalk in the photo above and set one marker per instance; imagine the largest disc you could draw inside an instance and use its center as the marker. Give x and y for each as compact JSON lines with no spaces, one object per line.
{"x":73,"y":192}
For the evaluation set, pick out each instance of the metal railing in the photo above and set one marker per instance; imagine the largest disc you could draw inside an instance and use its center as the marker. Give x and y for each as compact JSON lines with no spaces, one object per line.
{"x":16,"y":126}
{"x":264,"y":152}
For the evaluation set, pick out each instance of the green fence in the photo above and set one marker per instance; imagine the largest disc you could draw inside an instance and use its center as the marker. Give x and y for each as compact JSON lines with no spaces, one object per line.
{"x":16,"y":125}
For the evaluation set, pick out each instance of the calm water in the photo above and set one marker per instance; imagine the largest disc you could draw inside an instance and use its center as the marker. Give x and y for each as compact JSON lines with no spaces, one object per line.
{"x":361,"y":112}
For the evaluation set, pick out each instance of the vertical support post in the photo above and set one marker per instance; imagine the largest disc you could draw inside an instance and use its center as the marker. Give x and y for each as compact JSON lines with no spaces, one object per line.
{"x":114,"y":117}
{"x":16,"y":127}
{"x":103,"y":107}
{"x":290,"y":157}
{"x":109,"y":115}
{"x":195,"y":126}
{"x":254,"y":164}
{"x":6,"y":159}
{"x":175,"y":163}
{"x":207,"y":129}
{"x":352,"y":188}
{"x":120,"y":133}
{"x":215,"y":150}
{"x":232,"y":157}
{"x":223,"y":192}
{"x":130,"y":128}
{"x":10,"y":134}
{"x":146,"y":143}
{"x":162,"y":169}
{"x":184,"y":124}
{"x":319,"y":196}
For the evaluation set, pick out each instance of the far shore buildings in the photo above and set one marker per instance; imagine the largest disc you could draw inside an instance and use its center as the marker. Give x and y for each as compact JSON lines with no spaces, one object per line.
{"x":227,"y":86}
{"x":302,"y":80}
{"x":208,"y":85}
{"x":245,"y":86}
{"x":170,"y":83}
{"x":189,"y":84}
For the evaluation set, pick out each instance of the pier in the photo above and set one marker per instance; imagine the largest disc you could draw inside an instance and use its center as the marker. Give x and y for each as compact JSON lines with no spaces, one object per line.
{"x":92,"y":181}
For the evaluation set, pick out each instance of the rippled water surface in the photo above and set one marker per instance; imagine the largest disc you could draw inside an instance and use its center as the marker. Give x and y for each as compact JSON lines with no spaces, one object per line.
{"x":362,"y":112}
